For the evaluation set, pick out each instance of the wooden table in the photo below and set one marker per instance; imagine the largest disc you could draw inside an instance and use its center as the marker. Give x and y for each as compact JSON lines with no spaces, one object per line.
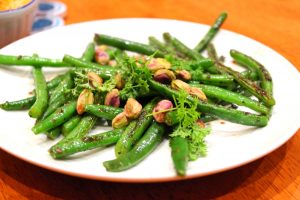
{"x":276,"y":176}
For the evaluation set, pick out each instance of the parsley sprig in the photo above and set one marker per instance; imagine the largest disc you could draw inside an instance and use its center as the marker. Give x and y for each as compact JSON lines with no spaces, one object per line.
{"x":136,"y":76}
{"x":188,"y":115}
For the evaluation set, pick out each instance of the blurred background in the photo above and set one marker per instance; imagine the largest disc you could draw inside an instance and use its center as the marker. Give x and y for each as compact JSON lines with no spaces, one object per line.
{"x":272,"y":22}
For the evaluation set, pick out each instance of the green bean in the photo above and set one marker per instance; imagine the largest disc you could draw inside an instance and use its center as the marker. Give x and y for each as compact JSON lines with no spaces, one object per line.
{"x":211,"y":52}
{"x":30,"y":61}
{"x":129,"y":130}
{"x":69,"y":125}
{"x":251,"y":86}
{"x":85,"y":143}
{"x":82,"y":129}
{"x":54,"y":133}
{"x":202,"y":64}
{"x":89,"y":53}
{"x":171,"y":118}
{"x":254,"y":67}
{"x":115,"y":54}
{"x":194,"y":65}
{"x":127,"y":45}
{"x":84,"y":126}
{"x":207,"y":118}
{"x":168,"y":43}
{"x":106,"y":112}
{"x":249,"y":75}
{"x":198,"y":75}
{"x":41,"y":102}
{"x":212,"y":70}
{"x":160,"y":46}
{"x":149,"y":95}
{"x":57,"y":118}
{"x":53,"y":83}
{"x":60,"y":101}
{"x":135,"y":130}
{"x":211,"y":33}
{"x":104,"y":71}
{"x":182,"y":48}
{"x":22,"y":104}
{"x":232,"y":115}
{"x":232,"y":97}
{"x":263,"y":74}
{"x":150,"y":140}
{"x":59,"y":91}
{"x":180,"y":154}
{"x":58,"y":96}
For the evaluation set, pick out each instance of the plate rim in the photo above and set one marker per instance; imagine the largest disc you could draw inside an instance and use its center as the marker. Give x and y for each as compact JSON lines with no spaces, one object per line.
{"x":293,"y":129}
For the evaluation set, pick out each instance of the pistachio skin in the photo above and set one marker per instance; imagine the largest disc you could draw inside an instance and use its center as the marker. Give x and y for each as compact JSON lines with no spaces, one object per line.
{"x":101,"y":56}
{"x":158,"y":63}
{"x":183,"y":75}
{"x":112,"y":98}
{"x":158,"y":111}
{"x":164,"y":76}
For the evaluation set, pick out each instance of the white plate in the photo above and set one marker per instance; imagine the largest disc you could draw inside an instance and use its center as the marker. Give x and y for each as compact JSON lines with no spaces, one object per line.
{"x":229,"y":145}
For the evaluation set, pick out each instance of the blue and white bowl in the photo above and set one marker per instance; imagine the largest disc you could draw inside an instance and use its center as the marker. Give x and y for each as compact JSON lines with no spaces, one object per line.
{"x":16,"y":23}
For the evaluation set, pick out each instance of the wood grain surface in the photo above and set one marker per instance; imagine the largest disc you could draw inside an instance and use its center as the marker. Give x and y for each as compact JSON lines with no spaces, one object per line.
{"x":275,"y":23}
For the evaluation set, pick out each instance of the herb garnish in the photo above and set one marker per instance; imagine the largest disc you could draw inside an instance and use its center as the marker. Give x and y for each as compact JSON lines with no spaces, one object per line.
{"x":188,"y":115}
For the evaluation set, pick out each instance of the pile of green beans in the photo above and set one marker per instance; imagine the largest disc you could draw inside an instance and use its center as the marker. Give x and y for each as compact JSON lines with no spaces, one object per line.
{"x":55,"y":104}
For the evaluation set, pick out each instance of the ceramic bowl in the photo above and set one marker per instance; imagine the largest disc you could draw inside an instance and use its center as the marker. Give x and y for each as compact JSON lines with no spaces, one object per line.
{"x":16,"y":23}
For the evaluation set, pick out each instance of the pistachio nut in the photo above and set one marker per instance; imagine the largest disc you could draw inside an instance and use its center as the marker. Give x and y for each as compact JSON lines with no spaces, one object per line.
{"x":120,"y":121}
{"x":119,"y":81}
{"x":95,"y":80}
{"x":101,"y":57}
{"x":183,"y":74}
{"x":200,"y":123}
{"x":112,"y":63}
{"x":112,"y":98}
{"x":102,"y":47}
{"x":158,"y":63}
{"x":160,"y":110}
{"x":179,"y":84}
{"x":197,"y":92}
{"x":164,"y":76}
{"x":86,"y":97}
{"x":132,"y":108}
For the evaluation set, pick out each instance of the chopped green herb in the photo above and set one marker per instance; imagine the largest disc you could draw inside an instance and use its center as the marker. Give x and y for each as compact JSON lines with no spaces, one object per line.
{"x":136,"y":76}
